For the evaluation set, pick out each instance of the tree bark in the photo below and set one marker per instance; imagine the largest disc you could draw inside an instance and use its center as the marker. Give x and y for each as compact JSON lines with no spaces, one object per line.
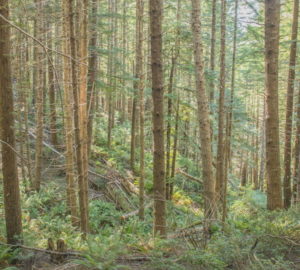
{"x":68,"y":97}
{"x":92,"y":73}
{"x":83,"y":118}
{"x":272,"y":15}
{"x":52,"y":94}
{"x":212,"y":50}
{"x":140,"y":86}
{"x":289,"y":110}
{"x":203,"y":115}
{"x":221,"y":151}
{"x":156,"y":10}
{"x":39,"y":99}
{"x":11,"y":192}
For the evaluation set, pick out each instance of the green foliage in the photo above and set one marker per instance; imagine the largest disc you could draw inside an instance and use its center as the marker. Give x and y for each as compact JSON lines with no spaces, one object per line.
{"x":103,"y":214}
{"x":102,"y":253}
{"x":7,"y":255}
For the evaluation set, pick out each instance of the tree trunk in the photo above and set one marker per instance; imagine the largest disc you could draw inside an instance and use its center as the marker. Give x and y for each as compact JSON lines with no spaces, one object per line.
{"x":174,"y":150}
{"x":272,"y":15}
{"x":11,"y":192}
{"x":156,"y":10}
{"x":140,"y":86}
{"x":287,"y":190}
{"x":296,"y":179}
{"x":83,"y":56}
{"x":203,"y":114}
{"x":168,"y":146}
{"x":68,"y":97}
{"x":212,"y":50}
{"x":229,"y":115}
{"x":51,"y":84}
{"x":220,"y":152}
{"x":262,"y":148}
{"x":92,"y":75}
{"x":39,"y":99}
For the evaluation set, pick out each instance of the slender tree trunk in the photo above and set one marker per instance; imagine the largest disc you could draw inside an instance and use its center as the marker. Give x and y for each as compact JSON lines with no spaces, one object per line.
{"x":39,"y":99}
{"x":140,"y":86}
{"x":296,"y":179}
{"x":68,"y":97}
{"x":92,"y":75}
{"x":203,"y":115}
{"x":77,"y":119}
{"x":229,"y":115}
{"x":52,"y":101}
{"x":221,"y":151}
{"x":255,"y":169}
{"x":133,"y":130}
{"x":212,"y":50}
{"x":173,"y":167}
{"x":272,"y":15}
{"x":263,"y":148}
{"x":289,"y":110}
{"x":11,"y":192}
{"x":83,"y":118}
{"x":244,"y":174}
{"x":156,"y":10}
{"x":168,"y":145}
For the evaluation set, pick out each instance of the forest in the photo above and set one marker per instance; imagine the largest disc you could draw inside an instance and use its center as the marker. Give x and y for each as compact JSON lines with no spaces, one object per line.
{"x":149,"y":135}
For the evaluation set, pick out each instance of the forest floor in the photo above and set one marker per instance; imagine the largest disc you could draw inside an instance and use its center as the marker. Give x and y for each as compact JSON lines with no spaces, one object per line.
{"x":252,"y":238}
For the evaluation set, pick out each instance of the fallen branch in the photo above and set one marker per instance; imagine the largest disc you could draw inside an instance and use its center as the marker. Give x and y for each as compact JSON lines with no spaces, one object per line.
{"x":47,"y":251}
{"x":135,"y":212}
{"x":189,"y":176}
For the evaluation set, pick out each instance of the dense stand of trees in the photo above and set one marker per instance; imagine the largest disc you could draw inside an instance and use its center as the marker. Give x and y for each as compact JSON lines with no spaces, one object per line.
{"x":80,"y":70}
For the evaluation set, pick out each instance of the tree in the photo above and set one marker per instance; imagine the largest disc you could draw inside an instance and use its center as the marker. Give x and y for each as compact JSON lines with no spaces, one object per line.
{"x":92,"y":72}
{"x":289,"y":109}
{"x":212,"y":49}
{"x":11,"y":190}
{"x":272,"y":15}
{"x":68,"y":96}
{"x":221,"y":110}
{"x":39,"y":98}
{"x":203,"y":114}
{"x":156,"y":10}
{"x":83,"y":118}
{"x":140,"y":88}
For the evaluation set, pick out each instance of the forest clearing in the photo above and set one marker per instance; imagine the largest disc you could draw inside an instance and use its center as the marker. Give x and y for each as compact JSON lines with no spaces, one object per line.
{"x":149,"y":135}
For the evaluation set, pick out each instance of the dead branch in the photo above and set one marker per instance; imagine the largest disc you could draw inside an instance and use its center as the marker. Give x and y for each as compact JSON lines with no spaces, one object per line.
{"x":47,"y":251}
{"x":189,"y":176}
{"x":135,"y":212}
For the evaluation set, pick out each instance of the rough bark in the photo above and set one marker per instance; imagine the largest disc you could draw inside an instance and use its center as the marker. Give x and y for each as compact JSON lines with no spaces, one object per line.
{"x":83,"y":118}
{"x":212,"y":49}
{"x":52,"y":94}
{"x":272,"y":15}
{"x":221,"y":110}
{"x":229,"y":115}
{"x":11,"y":192}
{"x":92,"y":72}
{"x":140,"y":86}
{"x":296,"y":179}
{"x":156,"y":10}
{"x":203,"y":114}
{"x":68,"y":104}
{"x":287,"y":189}
{"x":39,"y":99}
